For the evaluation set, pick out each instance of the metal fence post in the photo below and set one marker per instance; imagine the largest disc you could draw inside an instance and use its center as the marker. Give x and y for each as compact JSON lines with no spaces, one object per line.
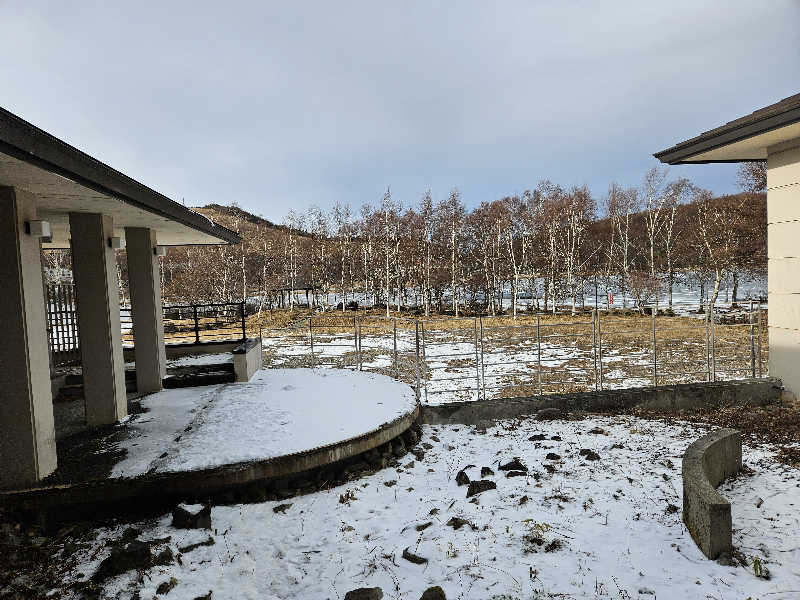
{"x":477,"y":360}
{"x":358,"y":345}
{"x":396,"y":366}
{"x":260,"y":346}
{"x":713,"y":348}
{"x":425,"y":385}
{"x":653,"y":311}
{"x":752,"y":342}
{"x":196,"y":325}
{"x":483,"y":364}
{"x":708,"y":348}
{"x":311,"y":339}
{"x":355,"y":343}
{"x":539,"y":352}
{"x":416,"y":345}
{"x":600,"y":351}
{"x":244,"y":323}
{"x":760,"y":366}
{"x":594,"y":347}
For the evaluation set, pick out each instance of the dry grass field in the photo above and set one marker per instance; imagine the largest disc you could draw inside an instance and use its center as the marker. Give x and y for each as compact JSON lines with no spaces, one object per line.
{"x":477,"y":357}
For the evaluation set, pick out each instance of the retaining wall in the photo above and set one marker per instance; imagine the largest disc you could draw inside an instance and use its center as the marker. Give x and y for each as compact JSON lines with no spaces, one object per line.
{"x":673,"y":398}
{"x":706,"y":463}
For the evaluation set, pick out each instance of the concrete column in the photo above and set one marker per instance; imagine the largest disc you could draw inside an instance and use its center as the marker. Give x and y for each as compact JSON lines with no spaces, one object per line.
{"x":27,"y":433}
{"x":783,"y":252}
{"x":148,"y":318}
{"x":95,"y":271}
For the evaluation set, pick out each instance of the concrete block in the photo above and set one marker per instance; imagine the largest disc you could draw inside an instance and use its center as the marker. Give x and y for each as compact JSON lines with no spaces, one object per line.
{"x":247,"y":359}
{"x":707,"y":514}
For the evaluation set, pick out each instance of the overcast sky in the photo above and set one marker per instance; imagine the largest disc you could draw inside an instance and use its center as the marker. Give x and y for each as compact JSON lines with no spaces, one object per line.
{"x":283,"y":105}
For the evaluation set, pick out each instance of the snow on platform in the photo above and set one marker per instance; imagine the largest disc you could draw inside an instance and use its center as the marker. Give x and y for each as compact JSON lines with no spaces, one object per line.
{"x":201,"y":360}
{"x":278,"y":412}
{"x":609,"y":528}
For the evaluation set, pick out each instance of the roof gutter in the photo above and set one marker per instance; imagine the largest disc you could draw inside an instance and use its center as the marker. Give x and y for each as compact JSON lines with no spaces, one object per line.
{"x":678,"y":155}
{"x":32,"y":145}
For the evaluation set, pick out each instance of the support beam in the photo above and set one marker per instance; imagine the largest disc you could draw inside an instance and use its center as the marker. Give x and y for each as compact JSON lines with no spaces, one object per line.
{"x":146,"y":310}
{"x":27,"y":433}
{"x":95,"y":272}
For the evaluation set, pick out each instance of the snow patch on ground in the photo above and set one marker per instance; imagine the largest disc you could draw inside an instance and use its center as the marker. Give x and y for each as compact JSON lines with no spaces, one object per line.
{"x":613,"y":526}
{"x":278,"y":412}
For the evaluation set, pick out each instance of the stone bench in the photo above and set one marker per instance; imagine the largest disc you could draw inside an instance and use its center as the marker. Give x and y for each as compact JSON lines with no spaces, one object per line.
{"x":247,"y":359}
{"x":707,"y":462}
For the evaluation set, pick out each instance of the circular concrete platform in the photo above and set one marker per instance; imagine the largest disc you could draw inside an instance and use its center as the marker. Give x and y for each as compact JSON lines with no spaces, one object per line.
{"x":199,"y":442}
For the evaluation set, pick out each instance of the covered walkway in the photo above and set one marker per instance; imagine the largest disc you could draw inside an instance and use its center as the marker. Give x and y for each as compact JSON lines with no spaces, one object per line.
{"x":52,"y":195}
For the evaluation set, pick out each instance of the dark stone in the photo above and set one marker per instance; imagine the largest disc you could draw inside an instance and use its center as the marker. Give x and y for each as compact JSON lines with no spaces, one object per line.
{"x":133,"y":555}
{"x":281,"y":508}
{"x":589,"y":454}
{"x":549,"y":414}
{"x":433,"y":593}
{"x":552,"y":456}
{"x":514,"y":465}
{"x":486,"y":472}
{"x":427,"y":446}
{"x":516,"y":474}
{"x":549,"y":468}
{"x":537,"y":437}
{"x":190,"y":547}
{"x":411,"y":557}
{"x":419,"y":454}
{"x":375,"y":593}
{"x":597,"y":431}
{"x":423,"y":526}
{"x":399,"y":448}
{"x":556,"y":438}
{"x":458,"y":523}
{"x":164,"y":558}
{"x":462,"y":478}
{"x":476,"y":487}
{"x":184,"y":519}
{"x":410,"y":437}
{"x":167,"y":586}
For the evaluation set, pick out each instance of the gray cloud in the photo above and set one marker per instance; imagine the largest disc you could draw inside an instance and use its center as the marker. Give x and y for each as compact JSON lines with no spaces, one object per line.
{"x":287,"y":104}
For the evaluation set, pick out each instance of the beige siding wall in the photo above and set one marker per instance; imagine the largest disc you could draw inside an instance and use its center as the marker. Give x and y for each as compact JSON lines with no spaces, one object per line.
{"x":783,"y":226}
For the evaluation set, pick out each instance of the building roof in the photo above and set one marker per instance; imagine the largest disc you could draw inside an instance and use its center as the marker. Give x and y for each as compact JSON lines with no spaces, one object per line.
{"x":64,"y":180}
{"x":744,"y":139}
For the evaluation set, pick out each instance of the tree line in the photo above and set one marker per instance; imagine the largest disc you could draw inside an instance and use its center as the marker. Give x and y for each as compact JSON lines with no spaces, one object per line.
{"x":545,"y":245}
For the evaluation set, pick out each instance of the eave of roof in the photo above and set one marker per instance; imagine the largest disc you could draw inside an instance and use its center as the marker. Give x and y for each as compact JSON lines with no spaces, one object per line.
{"x":26,"y":142}
{"x":772,"y":117}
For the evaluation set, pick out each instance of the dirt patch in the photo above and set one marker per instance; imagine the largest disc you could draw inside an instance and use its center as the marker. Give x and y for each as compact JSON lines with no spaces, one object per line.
{"x":772,"y":424}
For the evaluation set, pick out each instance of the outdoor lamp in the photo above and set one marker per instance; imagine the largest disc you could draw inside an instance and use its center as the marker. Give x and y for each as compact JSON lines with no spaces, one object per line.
{"x":39,"y":229}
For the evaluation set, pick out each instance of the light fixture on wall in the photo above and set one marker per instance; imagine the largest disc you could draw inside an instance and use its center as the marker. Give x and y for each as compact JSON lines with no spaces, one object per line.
{"x":117,"y":243}
{"x":40,"y":229}
{"x":160,"y":250}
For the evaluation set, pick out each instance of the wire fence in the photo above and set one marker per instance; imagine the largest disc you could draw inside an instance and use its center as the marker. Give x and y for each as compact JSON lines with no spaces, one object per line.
{"x":475,"y":358}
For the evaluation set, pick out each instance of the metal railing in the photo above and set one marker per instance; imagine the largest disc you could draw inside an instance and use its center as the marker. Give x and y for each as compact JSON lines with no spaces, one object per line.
{"x":483,"y":357}
{"x":183,"y":323}
{"x":195,"y":323}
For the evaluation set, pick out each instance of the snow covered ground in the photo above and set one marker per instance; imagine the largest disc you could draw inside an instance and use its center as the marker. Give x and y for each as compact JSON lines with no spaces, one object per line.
{"x":570,"y":528}
{"x":279,"y":411}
